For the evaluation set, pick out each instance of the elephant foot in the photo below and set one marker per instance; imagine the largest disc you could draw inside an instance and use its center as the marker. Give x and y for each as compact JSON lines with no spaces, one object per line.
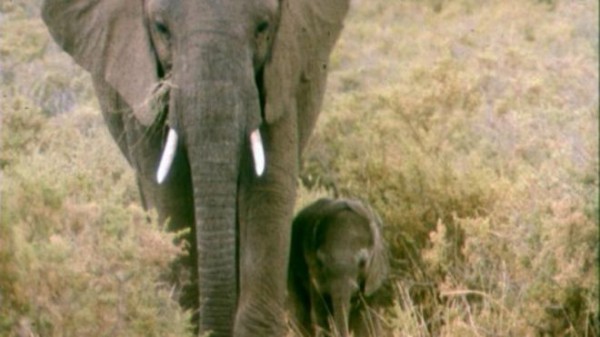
{"x":254,"y":321}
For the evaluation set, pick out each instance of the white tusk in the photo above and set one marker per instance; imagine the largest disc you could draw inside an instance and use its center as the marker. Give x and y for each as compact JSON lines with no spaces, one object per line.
{"x":258,"y":152}
{"x":167,"y":156}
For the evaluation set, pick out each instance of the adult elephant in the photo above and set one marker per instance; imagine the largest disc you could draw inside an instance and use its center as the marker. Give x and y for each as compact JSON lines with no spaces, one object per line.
{"x":188,"y":89}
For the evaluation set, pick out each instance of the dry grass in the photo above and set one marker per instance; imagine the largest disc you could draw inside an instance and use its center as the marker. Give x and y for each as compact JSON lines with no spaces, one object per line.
{"x":471,"y":126}
{"x":78,"y":256}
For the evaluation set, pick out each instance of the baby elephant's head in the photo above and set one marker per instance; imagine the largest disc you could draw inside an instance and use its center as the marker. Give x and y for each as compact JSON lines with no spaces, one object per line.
{"x":347,"y":260}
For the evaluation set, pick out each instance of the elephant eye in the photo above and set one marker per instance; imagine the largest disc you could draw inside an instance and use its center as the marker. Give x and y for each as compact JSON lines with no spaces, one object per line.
{"x":321,"y":259}
{"x":262,"y":27}
{"x":161,"y":28}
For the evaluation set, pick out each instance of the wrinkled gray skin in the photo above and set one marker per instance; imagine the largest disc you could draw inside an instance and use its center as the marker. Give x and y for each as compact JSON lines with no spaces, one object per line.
{"x":214,"y":71}
{"x":338,"y":261}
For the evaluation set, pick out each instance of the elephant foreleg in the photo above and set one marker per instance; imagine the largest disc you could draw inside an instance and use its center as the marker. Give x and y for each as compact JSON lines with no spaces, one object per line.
{"x":172,"y":200}
{"x":266,"y":207}
{"x":365,"y":323}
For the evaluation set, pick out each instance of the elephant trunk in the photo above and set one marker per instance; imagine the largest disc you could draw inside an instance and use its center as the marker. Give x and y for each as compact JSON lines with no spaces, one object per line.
{"x":216,"y":111}
{"x":215,"y":207}
{"x":341,"y":307}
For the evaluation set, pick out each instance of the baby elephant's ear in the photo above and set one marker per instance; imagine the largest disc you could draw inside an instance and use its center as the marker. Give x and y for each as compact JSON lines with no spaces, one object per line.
{"x":378,"y":266}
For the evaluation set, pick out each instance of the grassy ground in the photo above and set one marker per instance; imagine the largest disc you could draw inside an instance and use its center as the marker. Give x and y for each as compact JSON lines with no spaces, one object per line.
{"x":471,"y":126}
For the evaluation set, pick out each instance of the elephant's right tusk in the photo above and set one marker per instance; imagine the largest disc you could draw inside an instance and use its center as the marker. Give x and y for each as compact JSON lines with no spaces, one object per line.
{"x":167,"y":156}
{"x":258,"y":152}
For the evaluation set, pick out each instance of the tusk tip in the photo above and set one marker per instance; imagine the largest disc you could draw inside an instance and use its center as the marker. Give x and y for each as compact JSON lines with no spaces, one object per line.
{"x":260,"y":168}
{"x":167,"y":157}
{"x":160,"y":177}
{"x":258,"y":152}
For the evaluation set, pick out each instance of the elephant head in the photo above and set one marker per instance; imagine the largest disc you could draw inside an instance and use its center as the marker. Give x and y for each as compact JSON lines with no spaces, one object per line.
{"x":235,"y":86}
{"x":344,"y":257}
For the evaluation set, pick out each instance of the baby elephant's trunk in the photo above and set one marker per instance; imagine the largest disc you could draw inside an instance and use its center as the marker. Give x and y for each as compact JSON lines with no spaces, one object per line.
{"x":341,"y":307}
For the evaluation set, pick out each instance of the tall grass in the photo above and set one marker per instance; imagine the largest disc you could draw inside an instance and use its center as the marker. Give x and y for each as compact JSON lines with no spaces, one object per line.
{"x":473,"y":128}
{"x":78,"y":256}
{"x":470,"y":126}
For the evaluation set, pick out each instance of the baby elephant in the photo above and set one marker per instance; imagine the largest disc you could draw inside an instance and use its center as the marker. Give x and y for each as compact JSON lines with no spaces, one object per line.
{"x":337,"y":262}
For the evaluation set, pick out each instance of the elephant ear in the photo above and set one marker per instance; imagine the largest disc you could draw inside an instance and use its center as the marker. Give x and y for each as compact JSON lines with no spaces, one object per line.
{"x":377,"y":268}
{"x":108,"y":38}
{"x":295,"y":75}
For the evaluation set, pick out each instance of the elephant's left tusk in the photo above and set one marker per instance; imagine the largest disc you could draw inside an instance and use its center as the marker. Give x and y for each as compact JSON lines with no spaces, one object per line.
{"x":258,"y":152}
{"x":167,"y":156}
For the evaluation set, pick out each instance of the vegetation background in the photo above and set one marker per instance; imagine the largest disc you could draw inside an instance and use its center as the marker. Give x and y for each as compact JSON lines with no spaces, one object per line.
{"x":470,"y":126}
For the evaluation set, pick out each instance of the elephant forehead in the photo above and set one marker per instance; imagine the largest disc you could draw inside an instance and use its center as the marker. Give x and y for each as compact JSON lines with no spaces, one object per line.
{"x":345,"y":232}
{"x":339,"y":258}
{"x":346,"y":226}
